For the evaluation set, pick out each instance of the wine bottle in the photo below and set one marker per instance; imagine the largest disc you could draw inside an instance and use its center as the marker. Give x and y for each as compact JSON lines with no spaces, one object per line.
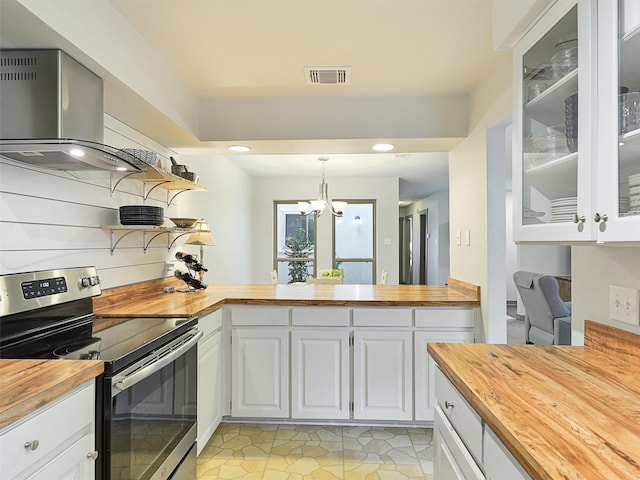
{"x":191,"y":261}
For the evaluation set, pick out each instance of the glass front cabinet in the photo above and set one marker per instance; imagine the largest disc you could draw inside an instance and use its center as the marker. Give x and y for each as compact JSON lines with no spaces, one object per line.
{"x":576,"y":174}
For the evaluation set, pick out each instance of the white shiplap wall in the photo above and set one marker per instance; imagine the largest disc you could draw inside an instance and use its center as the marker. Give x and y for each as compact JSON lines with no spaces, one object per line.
{"x":51,"y":219}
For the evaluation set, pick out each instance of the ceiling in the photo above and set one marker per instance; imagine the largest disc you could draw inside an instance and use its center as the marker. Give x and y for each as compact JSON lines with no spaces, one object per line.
{"x":256,"y":50}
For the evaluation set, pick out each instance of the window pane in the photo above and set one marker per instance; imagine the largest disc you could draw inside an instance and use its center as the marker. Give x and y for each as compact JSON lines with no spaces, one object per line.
{"x":292,"y":272}
{"x":354,"y":232}
{"x":294,"y":243}
{"x":357,"y":272}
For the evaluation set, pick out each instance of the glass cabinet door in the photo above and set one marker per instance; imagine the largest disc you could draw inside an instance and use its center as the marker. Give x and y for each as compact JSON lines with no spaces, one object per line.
{"x":554,"y":63}
{"x":618,"y":212}
{"x":629,"y":107}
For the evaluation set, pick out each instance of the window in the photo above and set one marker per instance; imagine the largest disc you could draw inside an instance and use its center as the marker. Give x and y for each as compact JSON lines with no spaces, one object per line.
{"x":294,"y":243}
{"x":354,"y":242}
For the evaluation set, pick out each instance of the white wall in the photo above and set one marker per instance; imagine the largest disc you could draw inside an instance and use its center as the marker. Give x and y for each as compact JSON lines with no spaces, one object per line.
{"x":51,"y":219}
{"x":383,"y":190}
{"x":437,"y":206}
{"x":512,"y":251}
{"x":510,"y":20}
{"x":594,"y":269}
{"x":490,"y":102}
{"x":227,"y":206}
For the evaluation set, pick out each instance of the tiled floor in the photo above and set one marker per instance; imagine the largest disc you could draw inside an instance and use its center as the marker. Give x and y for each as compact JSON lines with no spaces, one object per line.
{"x":305,"y":452}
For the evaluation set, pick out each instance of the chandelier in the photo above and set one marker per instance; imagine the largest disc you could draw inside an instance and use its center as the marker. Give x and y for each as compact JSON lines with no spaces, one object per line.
{"x":317,"y":206}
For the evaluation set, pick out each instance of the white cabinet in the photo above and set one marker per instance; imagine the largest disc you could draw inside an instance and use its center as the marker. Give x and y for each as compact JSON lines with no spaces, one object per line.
{"x":466,"y":448}
{"x":382,"y":375}
{"x":452,"y":461}
{"x":56,"y":442}
{"x":587,"y":188}
{"x":499,"y":463}
{"x":425,"y":368}
{"x":619,"y":121}
{"x":75,"y":463}
{"x":320,"y":373}
{"x":260,"y":372}
{"x":554,"y":126}
{"x":209,"y":376}
{"x":298,"y":362}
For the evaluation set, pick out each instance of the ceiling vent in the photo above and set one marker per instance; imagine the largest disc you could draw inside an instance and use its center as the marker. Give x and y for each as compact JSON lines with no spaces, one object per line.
{"x":328,"y":75}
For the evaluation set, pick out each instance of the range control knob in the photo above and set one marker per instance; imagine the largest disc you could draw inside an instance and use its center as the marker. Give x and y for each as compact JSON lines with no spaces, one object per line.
{"x":85,"y":282}
{"x":93,"y":281}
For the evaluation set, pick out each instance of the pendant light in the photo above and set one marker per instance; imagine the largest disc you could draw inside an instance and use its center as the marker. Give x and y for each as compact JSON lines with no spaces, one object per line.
{"x":317,"y":206}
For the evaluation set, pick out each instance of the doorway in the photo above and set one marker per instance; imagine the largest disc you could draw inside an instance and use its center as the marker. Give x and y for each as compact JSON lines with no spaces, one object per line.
{"x":406,"y":249}
{"x":423,"y":246}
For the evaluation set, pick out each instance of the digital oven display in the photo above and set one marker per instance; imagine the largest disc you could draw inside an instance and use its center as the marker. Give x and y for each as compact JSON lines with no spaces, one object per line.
{"x":42,"y":288}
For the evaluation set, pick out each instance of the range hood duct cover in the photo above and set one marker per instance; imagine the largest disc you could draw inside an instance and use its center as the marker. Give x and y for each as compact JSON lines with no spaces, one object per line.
{"x":53,"y":113}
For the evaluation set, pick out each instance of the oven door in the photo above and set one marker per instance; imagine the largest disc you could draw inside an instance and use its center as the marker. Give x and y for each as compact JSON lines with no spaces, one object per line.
{"x":150,"y":422}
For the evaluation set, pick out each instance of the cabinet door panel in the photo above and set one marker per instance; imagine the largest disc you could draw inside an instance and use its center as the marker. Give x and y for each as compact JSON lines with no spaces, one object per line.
{"x":260,"y":373}
{"x":72,"y":464}
{"x":209,"y":412}
{"x":55,"y":426}
{"x":320,"y":374}
{"x":383,"y":375}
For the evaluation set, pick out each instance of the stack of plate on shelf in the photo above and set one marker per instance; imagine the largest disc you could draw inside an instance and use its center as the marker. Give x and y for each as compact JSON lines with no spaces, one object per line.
{"x":141,"y":215}
{"x":624,"y":205}
{"x":563,"y":209}
{"x":634,"y":194}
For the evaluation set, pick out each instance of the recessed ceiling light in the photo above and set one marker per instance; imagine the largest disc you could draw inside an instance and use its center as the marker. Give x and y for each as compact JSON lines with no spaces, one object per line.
{"x":239,"y":148}
{"x":383,"y":147}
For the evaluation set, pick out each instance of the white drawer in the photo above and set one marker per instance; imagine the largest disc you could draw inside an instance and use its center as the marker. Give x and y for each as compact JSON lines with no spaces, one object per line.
{"x":210,"y":323}
{"x":321,"y":316}
{"x":439,"y":317}
{"x":383,"y":317}
{"x":259,"y":315}
{"x":499,"y":463}
{"x":462,"y":416}
{"x":55,"y":426}
{"x":452,"y":457}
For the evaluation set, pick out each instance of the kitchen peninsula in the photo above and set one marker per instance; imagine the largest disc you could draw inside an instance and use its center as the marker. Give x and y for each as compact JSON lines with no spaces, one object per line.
{"x":312,"y":352}
{"x":149,"y":299}
{"x":561,"y":411}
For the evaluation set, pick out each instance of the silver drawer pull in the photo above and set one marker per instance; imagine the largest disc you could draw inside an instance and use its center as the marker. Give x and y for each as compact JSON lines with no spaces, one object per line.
{"x":448,"y":404}
{"x":93,"y":455}
{"x":31,"y":444}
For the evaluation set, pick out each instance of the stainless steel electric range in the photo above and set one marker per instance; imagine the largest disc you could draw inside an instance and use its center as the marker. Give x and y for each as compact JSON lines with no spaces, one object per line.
{"x":147,"y":397}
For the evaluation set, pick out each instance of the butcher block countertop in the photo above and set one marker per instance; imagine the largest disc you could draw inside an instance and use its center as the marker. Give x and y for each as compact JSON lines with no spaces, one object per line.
{"x":26,"y":385}
{"x":563,"y":411}
{"x":149,"y":298}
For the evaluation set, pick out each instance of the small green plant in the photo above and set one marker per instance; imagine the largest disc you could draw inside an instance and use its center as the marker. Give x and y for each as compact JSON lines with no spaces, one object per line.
{"x":332,"y":273}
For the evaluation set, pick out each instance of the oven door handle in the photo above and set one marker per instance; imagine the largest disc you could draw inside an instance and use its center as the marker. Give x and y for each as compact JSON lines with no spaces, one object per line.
{"x":124,"y":382}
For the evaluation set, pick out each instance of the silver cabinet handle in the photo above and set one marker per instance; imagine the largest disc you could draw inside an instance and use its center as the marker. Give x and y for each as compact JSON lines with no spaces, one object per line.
{"x":31,"y":444}
{"x":448,"y":404}
{"x":577,"y":219}
{"x":93,"y":456}
{"x":597,"y":217}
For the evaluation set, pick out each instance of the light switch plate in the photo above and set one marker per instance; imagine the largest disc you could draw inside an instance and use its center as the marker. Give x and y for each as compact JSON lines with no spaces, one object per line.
{"x":624,"y":304}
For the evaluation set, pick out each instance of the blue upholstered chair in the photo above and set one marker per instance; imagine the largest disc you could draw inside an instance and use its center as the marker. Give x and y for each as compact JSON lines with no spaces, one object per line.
{"x":547,"y":319}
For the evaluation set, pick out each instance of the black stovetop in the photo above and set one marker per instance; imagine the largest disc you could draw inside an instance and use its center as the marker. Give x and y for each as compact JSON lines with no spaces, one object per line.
{"x":66,"y":332}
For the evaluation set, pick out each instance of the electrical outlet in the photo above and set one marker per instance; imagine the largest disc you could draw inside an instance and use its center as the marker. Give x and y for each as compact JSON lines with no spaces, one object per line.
{"x":624,"y":304}
{"x":169,"y":268}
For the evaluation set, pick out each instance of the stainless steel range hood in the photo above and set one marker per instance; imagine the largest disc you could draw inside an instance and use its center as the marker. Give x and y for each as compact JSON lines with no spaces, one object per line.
{"x":51,"y":113}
